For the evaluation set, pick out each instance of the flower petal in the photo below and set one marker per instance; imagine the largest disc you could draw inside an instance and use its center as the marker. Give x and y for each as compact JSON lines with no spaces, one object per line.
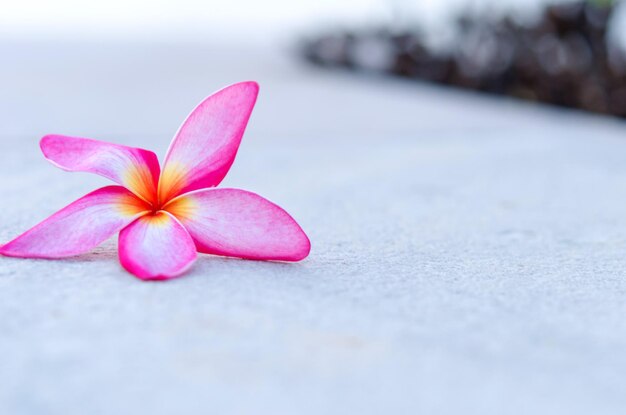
{"x":156,"y":247}
{"x":205,"y":146}
{"x":238,"y":223}
{"x":79,"y":227}
{"x":134,"y":168}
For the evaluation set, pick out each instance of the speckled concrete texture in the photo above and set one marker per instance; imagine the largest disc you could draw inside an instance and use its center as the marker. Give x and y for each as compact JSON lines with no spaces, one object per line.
{"x":469,"y":253}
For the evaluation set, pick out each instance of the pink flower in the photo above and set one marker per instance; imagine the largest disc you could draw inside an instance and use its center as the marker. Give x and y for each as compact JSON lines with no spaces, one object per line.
{"x":165,"y":215}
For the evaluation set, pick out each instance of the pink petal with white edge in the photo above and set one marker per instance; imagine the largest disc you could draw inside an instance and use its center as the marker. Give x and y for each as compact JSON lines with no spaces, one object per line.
{"x":242,"y":224}
{"x":79,"y":227}
{"x":134,"y":168}
{"x":205,"y":146}
{"x":156,"y":247}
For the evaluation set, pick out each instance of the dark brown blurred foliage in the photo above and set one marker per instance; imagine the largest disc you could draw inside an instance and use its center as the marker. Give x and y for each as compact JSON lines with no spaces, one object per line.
{"x":564,"y":58}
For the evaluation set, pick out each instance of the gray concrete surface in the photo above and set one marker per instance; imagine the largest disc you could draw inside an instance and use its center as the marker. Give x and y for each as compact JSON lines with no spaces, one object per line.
{"x":469,"y":253}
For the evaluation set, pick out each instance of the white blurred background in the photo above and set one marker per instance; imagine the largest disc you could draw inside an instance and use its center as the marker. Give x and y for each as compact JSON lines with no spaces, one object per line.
{"x":241,"y":20}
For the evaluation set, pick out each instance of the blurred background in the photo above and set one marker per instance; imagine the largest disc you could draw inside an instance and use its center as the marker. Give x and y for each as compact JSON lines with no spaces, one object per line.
{"x":568,"y":52}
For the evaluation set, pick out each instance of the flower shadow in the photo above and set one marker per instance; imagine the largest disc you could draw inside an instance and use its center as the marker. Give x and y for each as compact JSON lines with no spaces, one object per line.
{"x":206,"y":265}
{"x":232,"y":267}
{"x":103,"y":253}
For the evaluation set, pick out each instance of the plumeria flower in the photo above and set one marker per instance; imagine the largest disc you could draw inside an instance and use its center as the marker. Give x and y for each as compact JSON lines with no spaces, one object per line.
{"x":165,"y":216}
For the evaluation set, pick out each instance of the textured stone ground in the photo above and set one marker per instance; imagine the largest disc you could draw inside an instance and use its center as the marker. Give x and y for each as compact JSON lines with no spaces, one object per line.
{"x":469,"y":253}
